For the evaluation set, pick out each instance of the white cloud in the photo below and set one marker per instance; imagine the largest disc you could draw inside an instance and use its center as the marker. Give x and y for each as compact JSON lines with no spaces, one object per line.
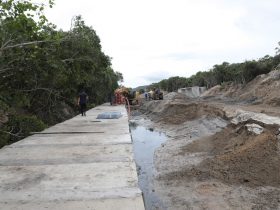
{"x":149,"y":39}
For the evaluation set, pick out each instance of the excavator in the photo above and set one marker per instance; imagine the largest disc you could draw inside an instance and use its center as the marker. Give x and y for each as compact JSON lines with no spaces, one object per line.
{"x":157,"y":95}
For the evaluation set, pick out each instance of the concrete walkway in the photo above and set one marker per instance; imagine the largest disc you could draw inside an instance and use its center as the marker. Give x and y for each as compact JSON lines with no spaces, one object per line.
{"x":82,"y":163}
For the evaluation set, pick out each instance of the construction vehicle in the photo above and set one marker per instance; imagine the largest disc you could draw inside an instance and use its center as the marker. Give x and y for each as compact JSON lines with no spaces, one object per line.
{"x":158,"y":95}
{"x":131,"y":97}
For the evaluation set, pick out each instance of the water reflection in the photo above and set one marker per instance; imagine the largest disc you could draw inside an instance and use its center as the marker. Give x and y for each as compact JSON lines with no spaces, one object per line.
{"x":145,"y":142}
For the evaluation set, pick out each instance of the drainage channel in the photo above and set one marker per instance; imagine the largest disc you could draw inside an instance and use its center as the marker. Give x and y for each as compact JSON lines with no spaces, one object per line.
{"x":145,"y":142}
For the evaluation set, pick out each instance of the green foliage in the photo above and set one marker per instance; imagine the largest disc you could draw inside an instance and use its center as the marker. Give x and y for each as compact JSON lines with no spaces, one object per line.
{"x":43,"y":69}
{"x":91,"y":105}
{"x":4,"y":138}
{"x":278,"y":49}
{"x":19,"y":126}
{"x":22,"y":125}
{"x":171,"y":84}
{"x":3,"y":106}
{"x":222,"y":74}
{"x":141,"y":91}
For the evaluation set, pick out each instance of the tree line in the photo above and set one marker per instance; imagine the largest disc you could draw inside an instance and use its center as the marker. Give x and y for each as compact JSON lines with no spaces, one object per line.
{"x":239,"y":73}
{"x":42,"y":69}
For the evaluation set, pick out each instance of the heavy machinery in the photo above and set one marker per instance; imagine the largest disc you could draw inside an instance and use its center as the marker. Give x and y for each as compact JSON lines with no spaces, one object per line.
{"x":158,"y":95}
{"x":123,"y":93}
{"x":131,"y":97}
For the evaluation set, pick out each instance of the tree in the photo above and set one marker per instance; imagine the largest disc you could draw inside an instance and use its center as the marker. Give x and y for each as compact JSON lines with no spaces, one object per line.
{"x":241,"y":73}
{"x":42,"y":69}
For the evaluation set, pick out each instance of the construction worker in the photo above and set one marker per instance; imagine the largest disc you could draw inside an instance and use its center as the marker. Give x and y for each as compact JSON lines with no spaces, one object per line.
{"x":82,"y":102}
{"x":146,"y":95}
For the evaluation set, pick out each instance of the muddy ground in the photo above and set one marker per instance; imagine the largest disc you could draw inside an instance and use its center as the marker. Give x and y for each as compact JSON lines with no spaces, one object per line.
{"x":213,"y":159}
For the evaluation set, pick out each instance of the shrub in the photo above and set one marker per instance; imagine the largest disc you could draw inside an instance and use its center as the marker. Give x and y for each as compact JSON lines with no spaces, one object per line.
{"x":21,"y":125}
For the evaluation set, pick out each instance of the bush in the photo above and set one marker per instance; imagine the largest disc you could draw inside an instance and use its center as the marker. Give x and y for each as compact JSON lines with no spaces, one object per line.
{"x":90,"y":106}
{"x":4,"y":139}
{"x":21,"y":126}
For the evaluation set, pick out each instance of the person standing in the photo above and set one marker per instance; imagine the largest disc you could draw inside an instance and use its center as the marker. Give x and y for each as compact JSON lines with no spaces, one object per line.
{"x":82,"y":102}
{"x":146,"y":95}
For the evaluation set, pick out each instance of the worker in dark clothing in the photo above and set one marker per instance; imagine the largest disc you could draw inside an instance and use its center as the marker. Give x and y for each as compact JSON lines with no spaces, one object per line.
{"x":82,"y":102}
{"x":111,"y":98}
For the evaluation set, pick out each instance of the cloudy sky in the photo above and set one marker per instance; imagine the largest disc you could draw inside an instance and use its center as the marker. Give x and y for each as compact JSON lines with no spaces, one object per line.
{"x":150,"y":40}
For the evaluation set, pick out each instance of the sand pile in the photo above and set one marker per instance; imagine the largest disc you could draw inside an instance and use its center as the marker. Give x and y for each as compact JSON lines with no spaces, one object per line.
{"x":176,"y":96}
{"x":173,"y":112}
{"x":227,"y":90}
{"x":214,"y":91}
{"x":239,"y":156}
{"x":218,"y":165}
{"x":233,"y":155}
{"x":263,"y":89}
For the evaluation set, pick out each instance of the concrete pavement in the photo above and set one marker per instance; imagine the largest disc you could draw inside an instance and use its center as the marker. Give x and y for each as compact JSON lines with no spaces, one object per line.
{"x":82,"y":163}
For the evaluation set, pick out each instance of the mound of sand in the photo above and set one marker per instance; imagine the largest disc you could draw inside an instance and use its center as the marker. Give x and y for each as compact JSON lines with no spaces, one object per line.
{"x":214,"y":91}
{"x":238,"y":156}
{"x":174,"y":112}
{"x":176,"y":96}
{"x":238,"y":163}
{"x":262,"y":89}
{"x":233,"y":155}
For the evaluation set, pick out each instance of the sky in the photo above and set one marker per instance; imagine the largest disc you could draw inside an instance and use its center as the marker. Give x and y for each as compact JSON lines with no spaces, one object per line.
{"x":151,"y":40}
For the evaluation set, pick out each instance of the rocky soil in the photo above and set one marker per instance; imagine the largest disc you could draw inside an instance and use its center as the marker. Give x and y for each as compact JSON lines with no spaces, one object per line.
{"x":219,"y":155}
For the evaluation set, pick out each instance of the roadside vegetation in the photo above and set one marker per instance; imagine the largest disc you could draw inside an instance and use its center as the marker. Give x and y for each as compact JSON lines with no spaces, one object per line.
{"x":221,"y":74}
{"x":42,"y":69}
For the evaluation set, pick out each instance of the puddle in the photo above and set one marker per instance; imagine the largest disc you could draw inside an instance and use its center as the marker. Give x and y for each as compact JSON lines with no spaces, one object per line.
{"x":145,"y":142}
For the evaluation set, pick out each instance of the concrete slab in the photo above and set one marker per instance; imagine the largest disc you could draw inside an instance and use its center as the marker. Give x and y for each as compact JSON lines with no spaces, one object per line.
{"x":80,"y":139}
{"x":65,"y":154}
{"x":72,"y":181}
{"x":89,"y":124}
{"x":72,"y":171}
{"x":111,"y":204}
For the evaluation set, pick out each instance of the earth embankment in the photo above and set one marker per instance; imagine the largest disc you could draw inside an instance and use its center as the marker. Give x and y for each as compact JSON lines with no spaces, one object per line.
{"x":217,"y":155}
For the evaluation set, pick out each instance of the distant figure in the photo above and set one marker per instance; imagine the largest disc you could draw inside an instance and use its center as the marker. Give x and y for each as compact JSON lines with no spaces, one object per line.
{"x":157,"y":91}
{"x":82,"y":102}
{"x":146,"y":95}
{"x":111,"y":98}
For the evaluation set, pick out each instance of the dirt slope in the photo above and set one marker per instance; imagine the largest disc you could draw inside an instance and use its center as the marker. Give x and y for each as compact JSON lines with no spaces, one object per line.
{"x":209,"y":162}
{"x":263,"y":89}
{"x":240,"y":157}
{"x":177,"y":112}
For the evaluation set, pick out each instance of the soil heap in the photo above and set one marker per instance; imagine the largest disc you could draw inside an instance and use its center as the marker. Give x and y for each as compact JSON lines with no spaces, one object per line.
{"x":238,"y":156}
{"x":222,"y":156}
{"x":263,"y":89}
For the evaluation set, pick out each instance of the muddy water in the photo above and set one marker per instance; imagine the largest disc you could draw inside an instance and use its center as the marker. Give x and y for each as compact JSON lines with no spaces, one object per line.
{"x":145,"y":142}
